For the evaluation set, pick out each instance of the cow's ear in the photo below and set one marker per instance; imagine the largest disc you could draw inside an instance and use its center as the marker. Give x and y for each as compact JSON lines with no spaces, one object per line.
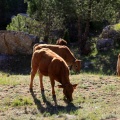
{"x":60,"y":86}
{"x":74,"y":86}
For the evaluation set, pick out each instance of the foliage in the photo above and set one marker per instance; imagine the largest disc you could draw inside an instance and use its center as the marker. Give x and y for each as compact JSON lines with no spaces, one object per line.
{"x":117,"y":27}
{"x":26,"y":24}
{"x":66,"y":36}
{"x":45,"y":11}
{"x":8,"y":5}
{"x":101,"y":63}
{"x":49,"y":17}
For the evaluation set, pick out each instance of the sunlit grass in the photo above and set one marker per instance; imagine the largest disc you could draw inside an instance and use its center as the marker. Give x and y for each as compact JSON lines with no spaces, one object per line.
{"x":21,"y":101}
{"x":6,"y":80}
{"x":110,"y":88}
{"x":93,"y":99}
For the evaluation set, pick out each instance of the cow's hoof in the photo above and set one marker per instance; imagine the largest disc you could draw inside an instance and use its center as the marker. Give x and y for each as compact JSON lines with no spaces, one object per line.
{"x":42,"y":91}
{"x":31,"y":89}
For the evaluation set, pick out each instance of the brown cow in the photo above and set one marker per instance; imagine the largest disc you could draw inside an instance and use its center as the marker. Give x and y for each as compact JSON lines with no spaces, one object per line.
{"x":118,"y":65}
{"x":48,"y":63}
{"x":64,"y":52}
{"x":61,"y":42}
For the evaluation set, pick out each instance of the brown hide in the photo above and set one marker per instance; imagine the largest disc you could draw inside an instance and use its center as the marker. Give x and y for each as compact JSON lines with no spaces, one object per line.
{"x":48,"y":63}
{"x":118,"y":65}
{"x":61,"y":42}
{"x":64,"y":52}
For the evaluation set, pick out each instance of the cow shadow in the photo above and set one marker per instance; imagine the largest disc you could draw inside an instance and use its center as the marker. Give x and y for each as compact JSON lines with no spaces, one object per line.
{"x":50,"y":108}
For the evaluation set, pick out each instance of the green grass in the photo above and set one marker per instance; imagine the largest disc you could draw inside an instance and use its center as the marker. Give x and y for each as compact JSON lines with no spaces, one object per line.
{"x":6,"y":80}
{"x":21,"y":101}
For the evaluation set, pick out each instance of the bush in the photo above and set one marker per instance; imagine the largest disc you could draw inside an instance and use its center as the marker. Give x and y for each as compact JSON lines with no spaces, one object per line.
{"x":24,"y":23}
{"x":117,"y":27}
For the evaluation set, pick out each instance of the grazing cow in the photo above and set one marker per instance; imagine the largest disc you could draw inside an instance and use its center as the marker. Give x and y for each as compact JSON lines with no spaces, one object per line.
{"x":61,"y":42}
{"x":64,"y":52}
{"x":48,"y":63}
{"x":118,"y":65}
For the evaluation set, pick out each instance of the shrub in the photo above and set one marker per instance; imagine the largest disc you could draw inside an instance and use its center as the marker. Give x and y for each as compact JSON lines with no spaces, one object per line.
{"x":24,"y":23}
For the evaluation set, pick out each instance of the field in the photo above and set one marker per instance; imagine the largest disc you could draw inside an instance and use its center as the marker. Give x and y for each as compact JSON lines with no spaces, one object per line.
{"x":97,"y":97}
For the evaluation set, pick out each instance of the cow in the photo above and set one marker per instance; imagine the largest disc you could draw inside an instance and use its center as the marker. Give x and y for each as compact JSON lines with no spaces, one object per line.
{"x":64,"y":52}
{"x":118,"y":65}
{"x":61,"y":42}
{"x":48,"y":63}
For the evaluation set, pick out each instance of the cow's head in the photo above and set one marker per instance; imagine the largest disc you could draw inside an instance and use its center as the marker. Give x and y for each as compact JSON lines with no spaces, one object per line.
{"x":68,"y":90}
{"x":76,"y":66}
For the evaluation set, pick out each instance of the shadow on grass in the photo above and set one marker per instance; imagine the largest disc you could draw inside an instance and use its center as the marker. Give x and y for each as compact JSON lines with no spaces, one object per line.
{"x":52,"y":109}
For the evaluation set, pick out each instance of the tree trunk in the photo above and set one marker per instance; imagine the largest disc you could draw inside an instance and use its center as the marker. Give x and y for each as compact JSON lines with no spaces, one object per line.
{"x":47,"y":29}
{"x":84,"y":38}
{"x":79,"y":29}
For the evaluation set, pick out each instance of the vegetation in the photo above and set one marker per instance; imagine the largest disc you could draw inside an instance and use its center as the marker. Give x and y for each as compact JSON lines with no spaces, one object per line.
{"x":77,"y":17}
{"x":24,"y":23}
{"x":117,"y":27}
{"x":98,"y":92}
{"x":95,"y":98}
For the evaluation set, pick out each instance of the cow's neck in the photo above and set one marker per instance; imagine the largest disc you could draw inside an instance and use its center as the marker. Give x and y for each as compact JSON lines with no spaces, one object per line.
{"x":65,"y":81}
{"x":71,"y":61}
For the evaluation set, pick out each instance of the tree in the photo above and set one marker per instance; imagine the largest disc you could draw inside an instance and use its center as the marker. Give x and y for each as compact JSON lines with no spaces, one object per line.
{"x":45,"y":11}
{"x":89,"y":10}
{"x":24,"y":23}
{"x":55,"y":15}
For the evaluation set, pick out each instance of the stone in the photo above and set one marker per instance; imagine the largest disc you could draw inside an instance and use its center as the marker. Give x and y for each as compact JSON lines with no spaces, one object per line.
{"x":15,"y":43}
{"x":105,"y":44}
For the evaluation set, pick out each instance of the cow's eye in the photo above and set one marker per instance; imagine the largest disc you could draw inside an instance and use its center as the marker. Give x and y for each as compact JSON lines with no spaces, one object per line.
{"x":76,"y":65}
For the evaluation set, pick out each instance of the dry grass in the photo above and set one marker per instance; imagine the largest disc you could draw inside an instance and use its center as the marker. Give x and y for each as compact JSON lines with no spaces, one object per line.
{"x":97,"y":97}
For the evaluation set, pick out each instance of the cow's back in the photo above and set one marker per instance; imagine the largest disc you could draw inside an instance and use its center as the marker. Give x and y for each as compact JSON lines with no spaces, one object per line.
{"x":48,"y":62}
{"x":62,"y":51}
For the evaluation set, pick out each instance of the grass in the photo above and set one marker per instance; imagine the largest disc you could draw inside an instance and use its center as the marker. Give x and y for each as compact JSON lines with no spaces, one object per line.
{"x":5,"y":80}
{"x":21,"y":101}
{"x":95,"y":98}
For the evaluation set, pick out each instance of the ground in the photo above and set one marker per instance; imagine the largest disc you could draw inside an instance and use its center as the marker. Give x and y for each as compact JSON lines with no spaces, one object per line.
{"x":97,"y":97}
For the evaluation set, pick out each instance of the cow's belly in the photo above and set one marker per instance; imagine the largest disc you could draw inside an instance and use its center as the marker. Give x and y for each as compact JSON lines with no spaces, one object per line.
{"x":43,"y":71}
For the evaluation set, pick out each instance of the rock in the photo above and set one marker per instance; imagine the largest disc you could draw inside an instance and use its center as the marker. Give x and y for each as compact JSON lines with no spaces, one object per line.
{"x":18,"y":64}
{"x":14,"y":43}
{"x":109,"y":32}
{"x":88,"y":64}
{"x":109,"y":38}
{"x":105,"y":44}
{"x":70,"y":117}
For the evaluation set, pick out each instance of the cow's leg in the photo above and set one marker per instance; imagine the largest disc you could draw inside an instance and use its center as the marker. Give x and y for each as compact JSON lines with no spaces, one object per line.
{"x":52,"y":84}
{"x":53,"y":91}
{"x":41,"y":82}
{"x":118,"y":73}
{"x":33,"y":72}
